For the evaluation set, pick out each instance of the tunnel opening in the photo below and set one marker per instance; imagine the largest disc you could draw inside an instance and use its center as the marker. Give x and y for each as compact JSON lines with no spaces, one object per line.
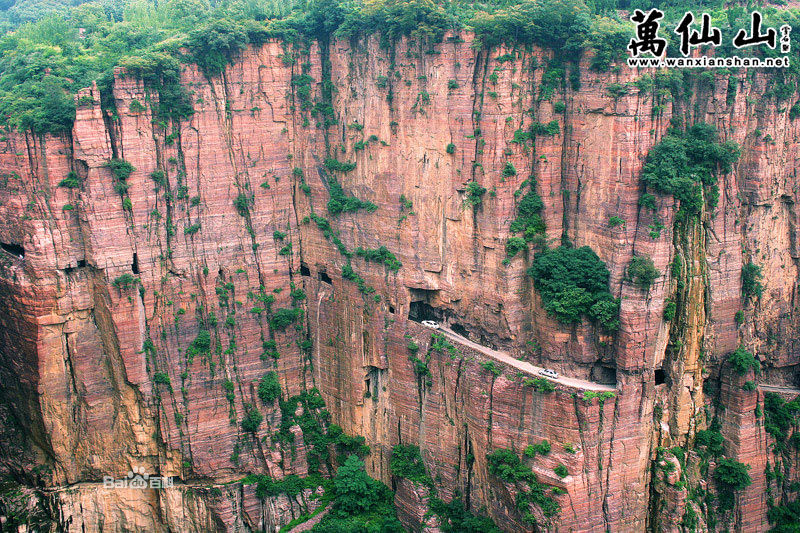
{"x":421,"y":308}
{"x":304,"y":270}
{"x":659,"y":375}
{"x":419,"y":311}
{"x":81,"y":263}
{"x":391,"y":308}
{"x":135,"y":263}
{"x":324,"y":277}
{"x":14,"y":249}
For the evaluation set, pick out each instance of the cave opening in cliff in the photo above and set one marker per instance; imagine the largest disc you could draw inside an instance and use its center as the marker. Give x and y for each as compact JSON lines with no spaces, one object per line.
{"x":81,"y":263}
{"x":421,"y":308}
{"x":304,"y":270}
{"x":659,"y":376}
{"x":135,"y":264}
{"x":15,"y":249}
{"x":419,"y":311}
{"x":391,"y":308}
{"x":324,"y":277}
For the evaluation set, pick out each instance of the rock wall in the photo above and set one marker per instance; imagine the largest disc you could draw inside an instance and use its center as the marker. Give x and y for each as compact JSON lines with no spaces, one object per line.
{"x":85,"y":361}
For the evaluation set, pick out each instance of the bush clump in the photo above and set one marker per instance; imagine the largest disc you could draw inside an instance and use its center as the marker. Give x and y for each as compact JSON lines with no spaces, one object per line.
{"x":507,"y":466}
{"x":751,"y":280}
{"x":200,"y":345}
{"x":742,"y":361}
{"x":642,"y":271}
{"x":684,"y":162}
{"x":269,"y":388}
{"x":252,"y":418}
{"x":71,"y":181}
{"x":380,"y":255}
{"x":573,"y":282}
{"x":284,"y":317}
{"x":529,"y":221}
{"x":340,"y":202}
{"x":334,"y":165}
{"x":407,"y":463}
{"x":361,"y":503}
{"x":124,"y":281}
{"x":780,"y":416}
{"x":731,"y":476}
{"x":455,"y":518}
{"x":475,"y":192}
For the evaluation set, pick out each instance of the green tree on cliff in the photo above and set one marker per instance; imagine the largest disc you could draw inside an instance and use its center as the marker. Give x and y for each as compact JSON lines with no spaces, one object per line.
{"x":573,"y":283}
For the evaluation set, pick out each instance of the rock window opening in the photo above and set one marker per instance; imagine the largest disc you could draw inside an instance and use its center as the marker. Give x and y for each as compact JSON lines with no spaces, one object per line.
{"x":14,"y":249}
{"x":135,"y":264}
{"x":659,"y":375}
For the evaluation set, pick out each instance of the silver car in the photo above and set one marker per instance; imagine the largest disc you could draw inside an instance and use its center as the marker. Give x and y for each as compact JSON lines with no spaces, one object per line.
{"x":548,"y":373}
{"x":430,"y":324}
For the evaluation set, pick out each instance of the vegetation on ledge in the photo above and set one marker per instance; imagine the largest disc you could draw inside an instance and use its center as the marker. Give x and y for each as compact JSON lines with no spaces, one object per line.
{"x":683,"y":163}
{"x":573,"y":283}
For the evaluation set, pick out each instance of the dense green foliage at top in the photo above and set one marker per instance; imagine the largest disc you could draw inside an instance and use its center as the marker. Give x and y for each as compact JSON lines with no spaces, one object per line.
{"x":573,"y":282}
{"x":56,"y":47}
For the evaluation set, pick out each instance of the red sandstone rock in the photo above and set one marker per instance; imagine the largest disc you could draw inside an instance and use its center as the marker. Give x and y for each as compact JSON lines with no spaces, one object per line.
{"x":73,"y":344}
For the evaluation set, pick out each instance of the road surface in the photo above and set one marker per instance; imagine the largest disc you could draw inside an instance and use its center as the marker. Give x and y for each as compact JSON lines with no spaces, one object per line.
{"x":522,"y":365}
{"x":779,"y":389}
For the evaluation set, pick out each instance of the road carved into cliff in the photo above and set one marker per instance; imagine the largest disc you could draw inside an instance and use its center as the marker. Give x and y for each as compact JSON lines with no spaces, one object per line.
{"x":779,"y":389}
{"x":523,"y":365}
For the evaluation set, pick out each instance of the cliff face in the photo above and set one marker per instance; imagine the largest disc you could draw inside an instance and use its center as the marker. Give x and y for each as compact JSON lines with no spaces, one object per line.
{"x":99,"y":377}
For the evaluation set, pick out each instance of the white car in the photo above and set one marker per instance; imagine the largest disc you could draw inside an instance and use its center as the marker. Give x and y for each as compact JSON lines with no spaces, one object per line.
{"x":548,"y":373}
{"x":430,"y":324}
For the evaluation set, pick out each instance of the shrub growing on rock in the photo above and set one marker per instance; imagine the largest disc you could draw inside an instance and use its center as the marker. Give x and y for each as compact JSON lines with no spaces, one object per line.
{"x":684,"y":162}
{"x":742,"y":361}
{"x":407,"y":463}
{"x":269,"y":388}
{"x":252,"y":418}
{"x":573,"y":282}
{"x":751,"y":280}
{"x":642,"y":271}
